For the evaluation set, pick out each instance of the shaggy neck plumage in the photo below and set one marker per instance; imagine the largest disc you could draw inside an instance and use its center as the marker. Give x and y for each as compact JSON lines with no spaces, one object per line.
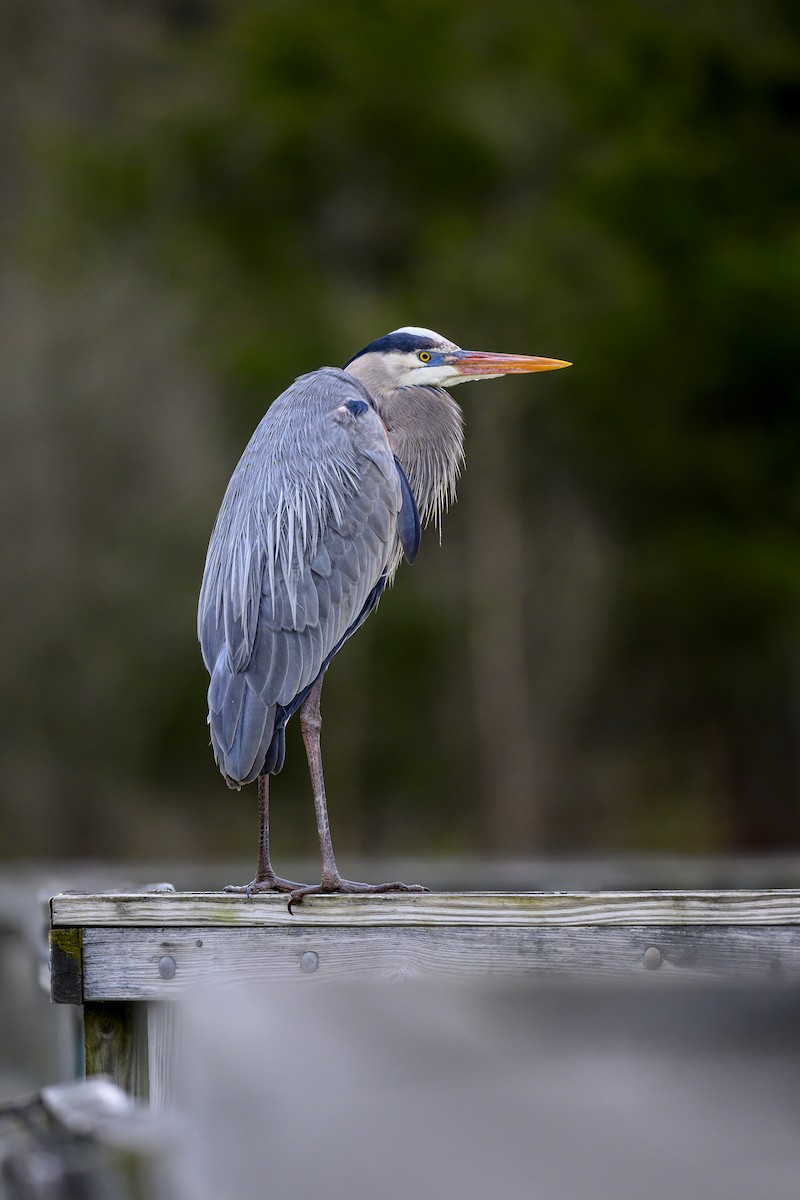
{"x":426,"y":431}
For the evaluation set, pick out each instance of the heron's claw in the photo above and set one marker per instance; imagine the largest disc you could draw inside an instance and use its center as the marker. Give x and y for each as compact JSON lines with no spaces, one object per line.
{"x":349,"y":887}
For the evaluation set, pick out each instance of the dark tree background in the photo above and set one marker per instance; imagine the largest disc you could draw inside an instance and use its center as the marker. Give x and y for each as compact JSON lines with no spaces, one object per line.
{"x":201,"y":200}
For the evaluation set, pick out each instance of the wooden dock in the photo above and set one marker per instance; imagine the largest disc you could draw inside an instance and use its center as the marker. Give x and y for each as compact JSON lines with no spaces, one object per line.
{"x":121,"y":955}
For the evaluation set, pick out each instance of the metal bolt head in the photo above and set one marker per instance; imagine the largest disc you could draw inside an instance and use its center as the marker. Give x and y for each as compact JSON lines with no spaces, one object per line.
{"x":309,"y":961}
{"x":167,"y":967}
{"x":653,"y":958}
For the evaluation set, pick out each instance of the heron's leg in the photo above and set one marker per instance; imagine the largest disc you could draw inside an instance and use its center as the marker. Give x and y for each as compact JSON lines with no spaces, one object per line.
{"x":311,"y":724}
{"x":266,"y":880}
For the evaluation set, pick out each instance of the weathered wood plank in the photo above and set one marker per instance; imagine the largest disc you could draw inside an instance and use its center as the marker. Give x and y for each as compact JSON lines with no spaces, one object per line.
{"x":129,"y":963}
{"x":115,"y":1040}
{"x":740,"y":907}
{"x":66,"y":966}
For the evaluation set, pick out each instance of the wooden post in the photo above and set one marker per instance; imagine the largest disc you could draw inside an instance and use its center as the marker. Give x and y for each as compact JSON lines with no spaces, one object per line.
{"x":115,"y":1043}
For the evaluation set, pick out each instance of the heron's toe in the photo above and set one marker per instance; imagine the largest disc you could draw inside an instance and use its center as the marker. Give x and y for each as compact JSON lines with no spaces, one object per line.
{"x":259,"y":886}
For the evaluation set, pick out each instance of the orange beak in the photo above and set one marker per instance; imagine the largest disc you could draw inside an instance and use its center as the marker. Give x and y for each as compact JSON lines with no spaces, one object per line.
{"x":475,"y":363}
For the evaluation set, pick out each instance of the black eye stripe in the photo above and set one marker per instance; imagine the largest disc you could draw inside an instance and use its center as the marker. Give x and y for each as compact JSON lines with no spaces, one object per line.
{"x":403,"y":342}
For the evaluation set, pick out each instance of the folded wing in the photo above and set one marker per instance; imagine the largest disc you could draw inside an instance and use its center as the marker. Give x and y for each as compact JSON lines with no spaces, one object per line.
{"x":311,"y":525}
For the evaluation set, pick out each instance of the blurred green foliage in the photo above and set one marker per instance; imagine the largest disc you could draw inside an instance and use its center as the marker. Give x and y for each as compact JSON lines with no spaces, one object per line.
{"x":207,"y":199}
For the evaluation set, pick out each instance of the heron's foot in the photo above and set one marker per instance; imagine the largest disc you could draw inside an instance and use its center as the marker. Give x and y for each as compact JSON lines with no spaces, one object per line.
{"x":264,"y":883}
{"x":349,"y":887}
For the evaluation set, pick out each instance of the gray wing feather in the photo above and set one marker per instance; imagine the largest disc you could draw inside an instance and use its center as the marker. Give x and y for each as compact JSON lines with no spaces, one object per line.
{"x":255,"y":719}
{"x":321,"y":562}
{"x":265,"y":662}
{"x":217,"y":690}
{"x":307,"y":528}
{"x":323,"y":599}
{"x":335,"y":591}
{"x":344,"y":556}
{"x":316,"y":644}
{"x":309,"y":600}
{"x":230,"y":713}
{"x":380,"y":522}
{"x":271,"y":686}
{"x":293,"y":680}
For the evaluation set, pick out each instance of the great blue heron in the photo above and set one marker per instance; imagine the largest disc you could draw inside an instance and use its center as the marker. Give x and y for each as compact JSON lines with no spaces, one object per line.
{"x":331,"y":492}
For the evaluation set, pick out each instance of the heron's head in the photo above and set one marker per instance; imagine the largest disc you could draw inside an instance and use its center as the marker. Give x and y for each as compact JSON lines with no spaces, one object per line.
{"x":411,"y":357}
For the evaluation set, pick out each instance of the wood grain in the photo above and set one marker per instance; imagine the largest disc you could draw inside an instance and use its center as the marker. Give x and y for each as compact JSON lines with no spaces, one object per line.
{"x":161,"y":1052}
{"x":123,"y":963}
{"x":116,"y":1045}
{"x":209,"y":909}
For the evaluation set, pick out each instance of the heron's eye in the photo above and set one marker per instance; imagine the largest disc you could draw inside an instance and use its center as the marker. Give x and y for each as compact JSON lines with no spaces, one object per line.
{"x":423,"y":356}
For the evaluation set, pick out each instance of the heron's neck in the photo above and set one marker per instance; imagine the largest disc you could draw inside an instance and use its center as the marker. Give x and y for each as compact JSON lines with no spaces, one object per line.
{"x":426,"y":431}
